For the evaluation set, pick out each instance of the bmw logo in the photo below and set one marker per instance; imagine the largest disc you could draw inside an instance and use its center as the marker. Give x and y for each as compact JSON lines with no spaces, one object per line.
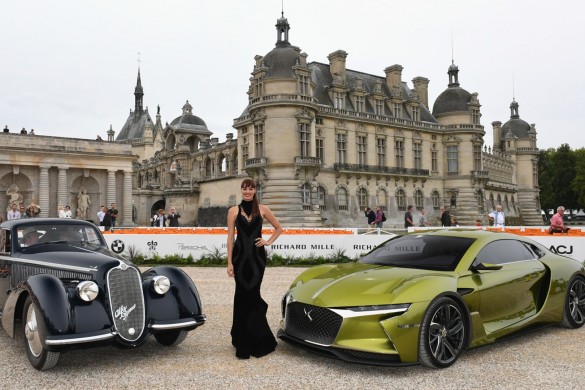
{"x":117,"y":246}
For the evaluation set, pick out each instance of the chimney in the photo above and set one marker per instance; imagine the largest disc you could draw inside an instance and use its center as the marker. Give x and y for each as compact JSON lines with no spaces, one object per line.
{"x":421,"y":85}
{"x":497,"y":128}
{"x":337,"y":67}
{"x":393,"y":76}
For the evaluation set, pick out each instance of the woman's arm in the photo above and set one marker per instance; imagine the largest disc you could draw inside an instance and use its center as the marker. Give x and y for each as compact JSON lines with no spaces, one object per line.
{"x":269,"y":216}
{"x":231,"y":223}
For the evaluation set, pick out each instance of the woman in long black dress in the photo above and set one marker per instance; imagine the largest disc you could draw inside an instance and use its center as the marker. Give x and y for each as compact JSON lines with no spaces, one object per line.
{"x":251,"y":334}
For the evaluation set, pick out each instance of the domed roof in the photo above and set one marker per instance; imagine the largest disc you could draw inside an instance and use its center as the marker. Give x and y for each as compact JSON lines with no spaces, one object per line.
{"x":515,"y":126}
{"x":453,"y":99}
{"x":188,"y":121}
{"x":280,"y":60}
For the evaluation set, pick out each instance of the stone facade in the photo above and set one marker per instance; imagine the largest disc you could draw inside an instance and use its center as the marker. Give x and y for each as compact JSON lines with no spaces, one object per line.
{"x":52,"y":171}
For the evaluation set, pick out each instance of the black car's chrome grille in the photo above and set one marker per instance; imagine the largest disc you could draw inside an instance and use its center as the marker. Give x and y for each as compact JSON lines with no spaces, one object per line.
{"x":126,"y":301}
{"x":312,"y":323}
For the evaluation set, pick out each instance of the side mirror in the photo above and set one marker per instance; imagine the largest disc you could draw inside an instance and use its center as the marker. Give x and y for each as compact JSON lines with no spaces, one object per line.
{"x":486,"y":267}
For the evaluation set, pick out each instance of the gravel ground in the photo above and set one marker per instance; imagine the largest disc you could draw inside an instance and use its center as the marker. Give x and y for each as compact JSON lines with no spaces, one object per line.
{"x":551,"y":358}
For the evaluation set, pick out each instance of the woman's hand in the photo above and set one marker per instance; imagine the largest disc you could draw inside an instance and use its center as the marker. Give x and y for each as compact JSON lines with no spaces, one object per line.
{"x":261,"y":242}
{"x":230,"y":270}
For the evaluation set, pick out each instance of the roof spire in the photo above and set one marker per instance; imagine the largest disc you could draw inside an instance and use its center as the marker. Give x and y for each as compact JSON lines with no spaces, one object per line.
{"x":282,"y":28}
{"x":138,"y":94}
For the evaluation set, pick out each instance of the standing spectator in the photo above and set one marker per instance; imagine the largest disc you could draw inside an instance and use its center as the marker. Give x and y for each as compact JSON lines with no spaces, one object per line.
{"x":23,"y":131}
{"x":158,"y":220}
{"x":445,"y":217}
{"x":107,"y":221}
{"x":31,"y":132}
{"x":114,"y":212}
{"x":14,"y":213}
{"x":371,"y":215}
{"x":33,"y":210}
{"x":557,"y":222}
{"x":498,"y":216}
{"x":173,"y":218}
{"x":22,"y":212}
{"x":422,"y":219}
{"x":61,"y":212}
{"x":100,"y":214}
{"x":378,"y":222}
{"x":6,"y":129}
{"x":408,"y":217}
{"x":478,"y":222}
{"x":67,"y":212}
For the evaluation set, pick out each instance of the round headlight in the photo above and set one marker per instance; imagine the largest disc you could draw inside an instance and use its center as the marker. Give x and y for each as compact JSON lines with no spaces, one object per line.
{"x":87,"y":290}
{"x":161,"y":284}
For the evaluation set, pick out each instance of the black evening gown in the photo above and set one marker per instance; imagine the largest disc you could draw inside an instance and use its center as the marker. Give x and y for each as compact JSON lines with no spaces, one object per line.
{"x":251,"y":334}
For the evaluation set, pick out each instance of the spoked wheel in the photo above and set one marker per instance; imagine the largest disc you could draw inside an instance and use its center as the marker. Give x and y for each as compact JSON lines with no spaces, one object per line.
{"x":574,"y":311}
{"x":171,"y":338}
{"x":442,"y":334}
{"x":38,"y":356}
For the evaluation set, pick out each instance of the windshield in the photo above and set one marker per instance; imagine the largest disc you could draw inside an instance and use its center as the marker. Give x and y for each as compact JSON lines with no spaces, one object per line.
{"x":31,"y":235}
{"x":420,"y":251}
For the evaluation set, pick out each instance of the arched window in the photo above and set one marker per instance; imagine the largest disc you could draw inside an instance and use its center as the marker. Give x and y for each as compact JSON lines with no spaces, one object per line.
{"x":436,"y":199}
{"x":362,"y":196}
{"x":507,"y":205}
{"x":306,"y":196}
{"x":342,"y":199}
{"x":382,"y":199}
{"x":499,"y":199}
{"x":401,"y":200}
{"x":207,"y":167}
{"x":221,"y":164}
{"x":479,"y":199}
{"x":418,"y":199}
{"x":492,"y":203}
{"x":321,"y":198}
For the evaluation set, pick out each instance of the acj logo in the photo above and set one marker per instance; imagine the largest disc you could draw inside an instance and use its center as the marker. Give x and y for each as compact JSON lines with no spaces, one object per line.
{"x":561,"y":249}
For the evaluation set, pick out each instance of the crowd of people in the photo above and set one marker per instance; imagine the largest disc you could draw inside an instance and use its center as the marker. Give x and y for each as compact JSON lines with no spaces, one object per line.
{"x":23,"y":131}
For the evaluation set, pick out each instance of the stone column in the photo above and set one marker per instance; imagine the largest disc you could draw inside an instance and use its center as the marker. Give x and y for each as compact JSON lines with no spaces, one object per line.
{"x":111,"y":187}
{"x":127,"y":211}
{"x":62,"y":191}
{"x":44,"y":191}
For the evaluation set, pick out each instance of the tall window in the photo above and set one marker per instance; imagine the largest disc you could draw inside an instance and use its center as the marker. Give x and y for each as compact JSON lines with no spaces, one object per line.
{"x":303,"y":85}
{"x":434,"y":161}
{"x":339,"y":101}
{"x":321,"y":198}
{"x":479,"y":199}
{"x":320,"y":149}
{"x":397,"y":110}
{"x":418,"y":199}
{"x":379,"y":107}
{"x":415,"y":114}
{"x":259,"y":140}
{"x":381,"y":151}
{"x":342,"y":198}
{"x":399,"y":152}
{"x":401,"y":200}
{"x":452,"y":159}
{"x":361,"y":149}
{"x":492,"y":203}
{"x":258,"y":87}
{"x":417,"y":151}
{"x":341,"y":148}
{"x":245,"y":154}
{"x":305,"y":139}
{"x":436,"y":199}
{"x":535,"y":172}
{"x":362,"y":196}
{"x":477,"y":157}
{"x":475,"y":116}
{"x":306,"y":196}
{"x":259,"y":192}
{"x":359,"y":104}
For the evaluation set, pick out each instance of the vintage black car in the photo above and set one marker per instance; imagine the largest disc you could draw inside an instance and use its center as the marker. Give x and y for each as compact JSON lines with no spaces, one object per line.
{"x":65,"y":288}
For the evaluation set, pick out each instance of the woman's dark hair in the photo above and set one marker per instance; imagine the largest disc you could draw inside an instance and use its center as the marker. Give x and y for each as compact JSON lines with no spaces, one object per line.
{"x":249,"y":183}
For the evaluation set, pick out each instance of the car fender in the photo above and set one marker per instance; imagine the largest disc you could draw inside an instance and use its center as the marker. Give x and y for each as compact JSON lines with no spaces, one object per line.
{"x":181,"y":301}
{"x":50,"y":296}
{"x":13,"y":310}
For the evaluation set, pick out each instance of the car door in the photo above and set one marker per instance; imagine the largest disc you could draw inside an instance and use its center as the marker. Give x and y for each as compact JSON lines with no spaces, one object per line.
{"x":508,"y":295}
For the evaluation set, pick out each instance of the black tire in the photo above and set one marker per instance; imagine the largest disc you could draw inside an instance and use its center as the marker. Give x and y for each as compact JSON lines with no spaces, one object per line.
{"x":171,"y":338}
{"x":574,"y":309}
{"x":442,"y":334}
{"x":33,"y":326}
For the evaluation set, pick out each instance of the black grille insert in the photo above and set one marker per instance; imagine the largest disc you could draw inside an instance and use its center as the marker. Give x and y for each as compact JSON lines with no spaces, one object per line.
{"x":312,"y":323}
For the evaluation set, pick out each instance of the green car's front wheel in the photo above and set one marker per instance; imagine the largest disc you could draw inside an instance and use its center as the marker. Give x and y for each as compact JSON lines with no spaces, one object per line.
{"x":574,"y":311}
{"x":442,"y":333}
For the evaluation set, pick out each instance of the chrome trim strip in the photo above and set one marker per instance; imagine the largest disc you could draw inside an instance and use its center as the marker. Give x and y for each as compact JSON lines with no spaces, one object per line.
{"x":51,"y":265}
{"x":80,"y":340}
{"x":175,"y":325}
{"x":351,"y":314}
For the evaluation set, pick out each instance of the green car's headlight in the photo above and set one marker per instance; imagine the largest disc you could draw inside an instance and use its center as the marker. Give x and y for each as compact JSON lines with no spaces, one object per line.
{"x":359,"y":311}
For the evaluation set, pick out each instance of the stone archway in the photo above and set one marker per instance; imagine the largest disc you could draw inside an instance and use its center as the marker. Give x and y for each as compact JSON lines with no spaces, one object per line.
{"x":18,"y":189}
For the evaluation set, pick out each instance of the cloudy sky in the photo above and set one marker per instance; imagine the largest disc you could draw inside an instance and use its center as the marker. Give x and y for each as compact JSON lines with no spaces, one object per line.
{"x":68,"y":67}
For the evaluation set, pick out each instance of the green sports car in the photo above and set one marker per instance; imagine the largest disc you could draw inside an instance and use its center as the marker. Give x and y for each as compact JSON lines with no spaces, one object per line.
{"x":425,"y":297}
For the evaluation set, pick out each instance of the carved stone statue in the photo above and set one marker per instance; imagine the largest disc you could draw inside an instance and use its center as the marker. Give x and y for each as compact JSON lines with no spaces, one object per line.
{"x":83,"y":203}
{"x":14,"y":197}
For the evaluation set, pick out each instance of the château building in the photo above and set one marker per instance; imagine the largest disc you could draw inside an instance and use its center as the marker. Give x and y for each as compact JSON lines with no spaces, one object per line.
{"x":323,"y":141}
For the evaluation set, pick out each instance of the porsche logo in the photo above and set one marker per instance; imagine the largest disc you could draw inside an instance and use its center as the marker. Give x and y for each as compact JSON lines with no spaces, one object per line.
{"x":308,"y":314}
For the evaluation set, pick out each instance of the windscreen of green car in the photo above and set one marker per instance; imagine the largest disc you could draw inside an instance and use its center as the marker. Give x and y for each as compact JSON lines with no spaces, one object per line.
{"x":438,"y":253}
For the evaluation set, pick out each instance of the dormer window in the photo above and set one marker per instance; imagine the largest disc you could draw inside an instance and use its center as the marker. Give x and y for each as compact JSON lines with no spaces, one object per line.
{"x":303,"y":85}
{"x":415,"y":113}
{"x":379,"y":108}
{"x":359,"y":104}
{"x":339,"y":100}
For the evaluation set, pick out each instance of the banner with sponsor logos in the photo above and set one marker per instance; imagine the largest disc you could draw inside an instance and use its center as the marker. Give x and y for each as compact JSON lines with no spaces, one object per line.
{"x":303,"y":243}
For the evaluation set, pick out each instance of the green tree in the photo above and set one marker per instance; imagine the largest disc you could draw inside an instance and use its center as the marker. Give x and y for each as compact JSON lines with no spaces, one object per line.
{"x":578,"y":184}
{"x":563,"y":163}
{"x":545,"y":183}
